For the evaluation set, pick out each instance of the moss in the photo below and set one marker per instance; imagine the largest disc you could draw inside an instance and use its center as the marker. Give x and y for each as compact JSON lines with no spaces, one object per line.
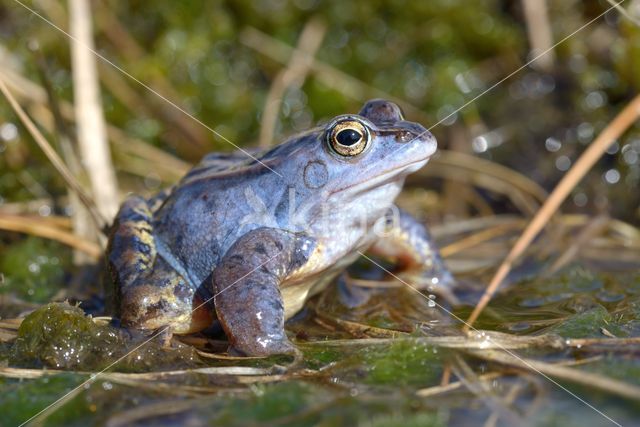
{"x":23,"y":399}
{"x":33,"y":269}
{"x":59,"y":335}
{"x":316,"y":357}
{"x":410,"y":420}
{"x":587,"y":324}
{"x":266,"y":403}
{"x":404,"y":362}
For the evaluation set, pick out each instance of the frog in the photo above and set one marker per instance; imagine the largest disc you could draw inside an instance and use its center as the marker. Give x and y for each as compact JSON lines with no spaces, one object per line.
{"x":243,"y":241}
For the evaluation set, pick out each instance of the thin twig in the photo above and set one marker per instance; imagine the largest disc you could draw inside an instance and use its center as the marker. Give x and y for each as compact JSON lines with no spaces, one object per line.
{"x":591,"y":155}
{"x":539,"y":31}
{"x":591,"y":230}
{"x":35,"y":227}
{"x":291,"y":77}
{"x":625,"y":13}
{"x":588,"y":379}
{"x":91,"y":128}
{"x":53,"y":157}
{"x":330,"y":76}
{"x":127,"y":46}
{"x":483,"y":391}
{"x":81,"y":218}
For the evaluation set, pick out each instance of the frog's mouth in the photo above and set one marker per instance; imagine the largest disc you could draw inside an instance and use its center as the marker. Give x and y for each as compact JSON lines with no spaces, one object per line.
{"x":385,"y":177}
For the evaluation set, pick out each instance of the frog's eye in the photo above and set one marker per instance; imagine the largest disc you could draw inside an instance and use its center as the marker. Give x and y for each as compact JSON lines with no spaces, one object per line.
{"x":348,"y":138}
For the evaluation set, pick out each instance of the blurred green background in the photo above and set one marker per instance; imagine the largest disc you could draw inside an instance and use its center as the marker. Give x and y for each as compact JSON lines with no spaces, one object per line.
{"x":433,"y":56}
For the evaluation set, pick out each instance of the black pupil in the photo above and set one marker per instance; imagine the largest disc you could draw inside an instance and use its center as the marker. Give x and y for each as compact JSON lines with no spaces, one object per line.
{"x":348,"y":137}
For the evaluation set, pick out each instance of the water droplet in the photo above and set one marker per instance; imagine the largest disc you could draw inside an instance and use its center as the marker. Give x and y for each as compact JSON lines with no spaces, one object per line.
{"x":630,"y":157}
{"x":580,"y":199}
{"x":552,"y":144}
{"x":584,"y":132}
{"x":612,"y":176}
{"x":44,"y":210}
{"x":563,"y":163}
{"x":595,"y":99}
{"x":8,"y":131}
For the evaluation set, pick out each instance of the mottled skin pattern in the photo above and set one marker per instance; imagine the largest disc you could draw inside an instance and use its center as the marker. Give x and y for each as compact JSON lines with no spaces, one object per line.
{"x":236,"y":242}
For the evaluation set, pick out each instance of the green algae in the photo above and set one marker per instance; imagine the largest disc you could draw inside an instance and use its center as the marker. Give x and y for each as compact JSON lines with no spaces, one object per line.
{"x":59,"y":335}
{"x":297,"y":403}
{"x":23,"y":399}
{"x":403,"y":363}
{"x":589,"y":324}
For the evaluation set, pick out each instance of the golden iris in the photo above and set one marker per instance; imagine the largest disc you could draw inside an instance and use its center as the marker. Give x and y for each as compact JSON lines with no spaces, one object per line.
{"x":349,"y":137}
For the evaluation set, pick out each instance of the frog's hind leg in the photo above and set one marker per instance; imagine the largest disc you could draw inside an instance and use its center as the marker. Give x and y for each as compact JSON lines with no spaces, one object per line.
{"x":131,"y":249}
{"x":149,"y":293}
{"x":155,"y":202}
{"x":164,"y":299}
{"x":409,"y":243}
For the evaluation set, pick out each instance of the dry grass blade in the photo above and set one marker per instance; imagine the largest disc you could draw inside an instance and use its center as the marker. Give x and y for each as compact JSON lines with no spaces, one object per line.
{"x":539,"y":31}
{"x":82,"y":224}
{"x":230,"y":371}
{"x":293,"y":76}
{"x":445,"y":388}
{"x":456,"y":385}
{"x":525,"y":194}
{"x":510,"y":397}
{"x":576,"y":376}
{"x":54,"y":158}
{"x":482,"y":390}
{"x":148,"y":412}
{"x":592,"y":229}
{"x":625,"y":13}
{"x":475,"y":239}
{"x":91,"y":128}
{"x":473,"y":163}
{"x":124,"y":145}
{"x":331,"y":77}
{"x":359,"y":330}
{"x":480,"y":340}
{"x":591,"y":155}
{"x":35,"y":227}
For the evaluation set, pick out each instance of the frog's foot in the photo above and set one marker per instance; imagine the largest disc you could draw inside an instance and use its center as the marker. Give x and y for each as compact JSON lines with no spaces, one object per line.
{"x":408,"y":242}
{"x":164,"y":300}
{"x":247,"y":288}
{"x":165,"y":337}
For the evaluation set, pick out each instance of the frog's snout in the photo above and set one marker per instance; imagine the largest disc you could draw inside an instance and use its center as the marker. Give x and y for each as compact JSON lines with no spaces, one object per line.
{"x":423,"y":142}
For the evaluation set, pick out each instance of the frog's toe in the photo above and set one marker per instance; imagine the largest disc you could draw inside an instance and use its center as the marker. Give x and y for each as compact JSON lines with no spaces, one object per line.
{"x":263,"y":347}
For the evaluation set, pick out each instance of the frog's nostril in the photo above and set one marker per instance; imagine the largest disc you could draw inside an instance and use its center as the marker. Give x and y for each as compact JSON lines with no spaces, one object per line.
{"x":405,"y":136}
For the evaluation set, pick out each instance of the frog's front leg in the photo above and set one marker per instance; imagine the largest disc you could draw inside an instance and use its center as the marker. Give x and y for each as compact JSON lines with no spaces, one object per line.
{"x":247,"y":289}
{"x":409,"y":243}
